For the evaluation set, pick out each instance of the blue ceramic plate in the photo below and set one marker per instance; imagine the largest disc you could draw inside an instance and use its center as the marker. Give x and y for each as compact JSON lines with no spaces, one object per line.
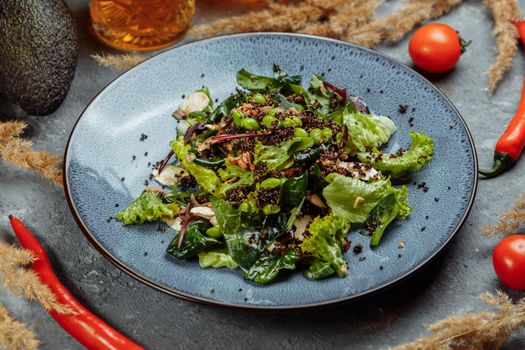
{"x":100,"y":171}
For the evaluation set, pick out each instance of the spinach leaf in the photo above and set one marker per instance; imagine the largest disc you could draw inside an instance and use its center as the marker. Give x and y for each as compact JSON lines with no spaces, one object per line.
{"x":225,"y":108}
{"x":254,"y":82}
{"x":269,"y":265}
{"x":380,"y":217}
{"x":292,"y":191}
{"x":308,"y":157}
{"x":242,"y":237}
{"x":275,"y":225}
{"x":195,"y":240}
{"x":319,"y":269}
{"x":316,"y":180}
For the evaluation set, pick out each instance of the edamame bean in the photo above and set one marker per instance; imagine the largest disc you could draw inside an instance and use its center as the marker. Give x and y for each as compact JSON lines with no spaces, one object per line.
{"x":258,"y":98}
{"x":287,"y":122}
{"x":270,"y":183}
{"x":297,"y":121}
{"x":268,"y":121}
{"x":237,"y":117}
{"x":214,"y":232}
{"x":326,"y":133}
{"x":250,"y":123}
{"x":270,"y":209}
{"x":300,"y":133}
{"x":244,"y":207}
{"x":316,"y":135}
{"x":272,"y":112}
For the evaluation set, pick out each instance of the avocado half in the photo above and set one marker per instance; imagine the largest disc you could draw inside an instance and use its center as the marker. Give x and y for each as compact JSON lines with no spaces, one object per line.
{"x":38,"y":53}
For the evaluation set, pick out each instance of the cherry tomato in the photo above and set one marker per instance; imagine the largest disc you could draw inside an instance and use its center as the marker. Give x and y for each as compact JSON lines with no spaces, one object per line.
{"x":509,"y":261}
{"x":436,"y":47}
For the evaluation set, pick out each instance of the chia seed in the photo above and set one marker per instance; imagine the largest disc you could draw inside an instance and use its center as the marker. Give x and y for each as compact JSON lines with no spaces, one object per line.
{"x":143,"y":137}
{"x":358,"y":248}
{"x":402,"y":109}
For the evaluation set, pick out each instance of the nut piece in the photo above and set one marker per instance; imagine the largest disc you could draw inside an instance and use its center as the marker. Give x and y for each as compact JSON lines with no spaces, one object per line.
{"x":203,"y":212}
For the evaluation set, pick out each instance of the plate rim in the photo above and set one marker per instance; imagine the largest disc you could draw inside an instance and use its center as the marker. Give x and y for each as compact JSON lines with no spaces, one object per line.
{"x":202,"y":300}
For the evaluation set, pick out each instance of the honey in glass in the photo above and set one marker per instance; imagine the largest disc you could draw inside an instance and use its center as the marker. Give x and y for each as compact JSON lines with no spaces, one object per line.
{"x":140,"y":25}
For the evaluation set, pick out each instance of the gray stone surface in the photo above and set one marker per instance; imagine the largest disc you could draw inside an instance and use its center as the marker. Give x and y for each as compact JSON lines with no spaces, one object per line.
{"x":158,"y":321}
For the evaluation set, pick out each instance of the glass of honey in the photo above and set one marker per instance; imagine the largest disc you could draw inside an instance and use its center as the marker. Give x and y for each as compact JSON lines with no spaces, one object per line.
{"x":140,"y":25}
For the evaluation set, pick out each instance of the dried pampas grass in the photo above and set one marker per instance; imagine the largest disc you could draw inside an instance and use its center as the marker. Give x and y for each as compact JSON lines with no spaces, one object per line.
{"x":395,"y":26}
{"x":15,"y":335}
{"x":119,"y":62}
{"x":504,"y":13}
{"x":20,"y":152}
{"x":510,"y":222}
{"x":24,"y":282}
{"x":484,"y":330}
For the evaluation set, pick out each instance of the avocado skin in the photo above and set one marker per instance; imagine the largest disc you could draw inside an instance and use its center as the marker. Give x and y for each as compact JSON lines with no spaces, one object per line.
{"x":38,"y":53}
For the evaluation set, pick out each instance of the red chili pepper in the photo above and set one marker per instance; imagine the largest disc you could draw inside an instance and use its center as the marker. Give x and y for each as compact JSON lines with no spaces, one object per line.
{"x":510,"y":145}
{"x":87,"y":328}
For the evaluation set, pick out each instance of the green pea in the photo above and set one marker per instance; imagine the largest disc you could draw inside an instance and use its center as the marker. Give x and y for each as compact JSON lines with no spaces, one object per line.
{"x":300,"y":133}
{"x":244,"y":207}
{"x":270,"y":183}
{"x":272,"y":112}
{"x":237,"y":117}
{"x":287,"y":123}
{"x":250,"y":123}
{"x":326,"y":133}
{"x":214,"y":232}
{"x":258,"y":98}
{"x":316,"y":135}
{"x":297,"y":121}
{"x":270,"y":209}
{"x":268,"y":121}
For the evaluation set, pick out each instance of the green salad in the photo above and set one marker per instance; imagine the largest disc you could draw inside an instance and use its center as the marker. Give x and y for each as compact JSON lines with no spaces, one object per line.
{"x":273,"y":178}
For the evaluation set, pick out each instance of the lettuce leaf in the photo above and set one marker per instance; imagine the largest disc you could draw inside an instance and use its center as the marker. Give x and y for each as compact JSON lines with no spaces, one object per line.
{"x":319,"y":269}
{"x":206,"y":178}
{"x":326,"y":241}
{"x":273,"y":157}
{"x":416,"y":157}
{"x":354,"y":198}
{"x":405,"y":209}
{"x":234,"y":176}
{"x":269,"y":265}
{"x":364,"y":130}
{"x":325,"y":98}
{"x":216,"y":259}
{"x":148,"y":207}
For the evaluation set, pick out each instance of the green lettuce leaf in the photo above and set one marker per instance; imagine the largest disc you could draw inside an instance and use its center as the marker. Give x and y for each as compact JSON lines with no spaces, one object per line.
{"x":269,"y":265}
{"x":365,"y":130}
{"x":148,"y":207}
{"x":326,"y":241}
{"x":234,"y":176}
{"x":405,"y":209}
{"x":273,"y":157}
{"x":416,"y":157}
{"x":354,"y":198}
{"x":195,"y":240}
{"x":206,"y":178}
{"x":216,"y":259}
{"x":319,"y":269}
